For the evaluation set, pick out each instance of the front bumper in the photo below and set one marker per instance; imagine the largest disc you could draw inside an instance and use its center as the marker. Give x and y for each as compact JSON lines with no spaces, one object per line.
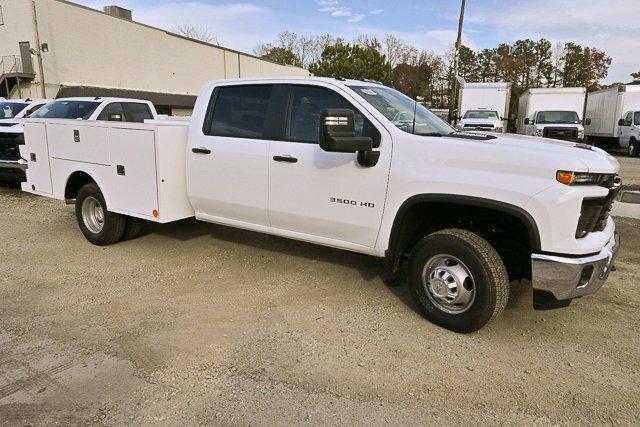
{"x":13,"y":169}
{"x":566,"y":278}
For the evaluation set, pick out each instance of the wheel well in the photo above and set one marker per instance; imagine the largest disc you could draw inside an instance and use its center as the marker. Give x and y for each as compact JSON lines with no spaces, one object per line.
{"x":509,"y":229}
{"x":75,"y":182}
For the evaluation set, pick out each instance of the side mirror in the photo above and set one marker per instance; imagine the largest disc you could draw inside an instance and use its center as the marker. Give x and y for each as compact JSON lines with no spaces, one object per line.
{"x":115,"y":117}
{"x":338,"y":135}
{"x":587,"y":122}
{"x":621,"y":122}
{"x":527,"y":121}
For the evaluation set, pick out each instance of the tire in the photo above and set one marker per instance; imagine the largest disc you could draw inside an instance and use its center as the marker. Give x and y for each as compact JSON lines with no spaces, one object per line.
{"x":98,"y":225}
{"x":133,"y":228}
{"x":633,"y":149}
{"x":480,"y":288}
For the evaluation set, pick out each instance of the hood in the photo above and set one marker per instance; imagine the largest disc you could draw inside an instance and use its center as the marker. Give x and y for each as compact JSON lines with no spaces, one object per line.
{"x":577,"y":157}
{"x":11,"y":126}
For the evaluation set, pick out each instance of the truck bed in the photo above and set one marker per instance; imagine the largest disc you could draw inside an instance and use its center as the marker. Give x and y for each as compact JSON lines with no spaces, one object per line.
{"x":140,"y":168}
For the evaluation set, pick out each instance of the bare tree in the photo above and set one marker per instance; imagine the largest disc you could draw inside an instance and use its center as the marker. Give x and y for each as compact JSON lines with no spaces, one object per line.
{"x":196,"y":31}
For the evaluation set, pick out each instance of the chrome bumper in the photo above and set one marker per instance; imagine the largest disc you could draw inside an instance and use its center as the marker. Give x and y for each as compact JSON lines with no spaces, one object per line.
{"x":20,"y":164}
{"x":566,"y":278}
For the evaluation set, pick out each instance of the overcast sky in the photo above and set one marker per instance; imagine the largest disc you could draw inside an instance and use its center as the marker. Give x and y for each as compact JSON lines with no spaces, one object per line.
{"x":611,"y":25}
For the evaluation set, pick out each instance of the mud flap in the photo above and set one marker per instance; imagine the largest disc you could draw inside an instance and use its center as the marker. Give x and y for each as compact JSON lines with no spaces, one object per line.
{"x":546,"y":301}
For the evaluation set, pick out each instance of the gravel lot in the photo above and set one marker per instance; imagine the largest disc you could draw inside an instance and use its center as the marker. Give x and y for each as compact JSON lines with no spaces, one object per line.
{"x":197,"y":323}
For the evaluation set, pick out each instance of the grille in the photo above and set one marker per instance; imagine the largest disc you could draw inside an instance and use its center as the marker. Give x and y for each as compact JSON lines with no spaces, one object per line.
{"x":9,"y":145}
{"x":478,"y":126}
{"x":595,"y":212}
{"x":567,"y":134}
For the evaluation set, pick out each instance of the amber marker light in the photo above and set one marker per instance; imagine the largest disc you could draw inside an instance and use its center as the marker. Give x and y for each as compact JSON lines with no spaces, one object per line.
{"x":155,"y":213}
{"x":564,"y":177}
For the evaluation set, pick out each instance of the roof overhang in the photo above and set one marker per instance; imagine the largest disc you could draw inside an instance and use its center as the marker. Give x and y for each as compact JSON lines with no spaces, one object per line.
{"x":157,"y":98}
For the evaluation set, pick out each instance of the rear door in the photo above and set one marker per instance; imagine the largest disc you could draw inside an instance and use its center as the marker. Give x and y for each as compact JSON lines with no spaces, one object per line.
{"x":228,"y":178}
{"x":322,"y":194}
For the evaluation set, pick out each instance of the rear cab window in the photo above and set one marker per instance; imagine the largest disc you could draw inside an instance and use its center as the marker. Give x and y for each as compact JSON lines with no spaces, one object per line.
{"x":239,"y":111}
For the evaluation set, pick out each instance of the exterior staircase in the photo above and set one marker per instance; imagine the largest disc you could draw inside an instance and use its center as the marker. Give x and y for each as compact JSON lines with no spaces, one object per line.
{"x":11,"y":74}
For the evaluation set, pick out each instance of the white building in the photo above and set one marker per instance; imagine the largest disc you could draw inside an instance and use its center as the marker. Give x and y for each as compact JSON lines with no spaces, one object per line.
{"x":72,"y":50}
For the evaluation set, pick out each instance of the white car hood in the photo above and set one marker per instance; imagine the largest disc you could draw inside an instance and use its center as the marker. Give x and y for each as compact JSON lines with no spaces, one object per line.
{"x":593,"y":159}
{"x":11,"y":126}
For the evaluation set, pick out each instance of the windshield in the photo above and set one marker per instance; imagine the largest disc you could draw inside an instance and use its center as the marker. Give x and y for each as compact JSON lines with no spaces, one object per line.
{"x":481,"y":114}
{"x":63,"y":109}
{"x":558,"y":117}
{"x":402,"y":111}
{"x":9,"y":110}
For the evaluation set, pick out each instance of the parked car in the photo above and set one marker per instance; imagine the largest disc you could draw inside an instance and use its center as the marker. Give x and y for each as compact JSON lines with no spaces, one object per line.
{"x":552,"y":113}
{"x":322,"y":160}
{"x":606,"y":110}
{"x":484,"y":106}
{"x":11,"y":135}
{"x":12,"y":166}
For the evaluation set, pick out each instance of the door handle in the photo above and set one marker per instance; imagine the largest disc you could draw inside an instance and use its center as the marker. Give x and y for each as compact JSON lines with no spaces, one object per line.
{"x":287,"y":159}
{"x":201,"y":150}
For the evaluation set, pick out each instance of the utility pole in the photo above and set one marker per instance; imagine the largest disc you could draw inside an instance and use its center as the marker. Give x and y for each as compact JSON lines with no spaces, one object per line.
{"x":454,"y":88}
{"x":38,"y":50}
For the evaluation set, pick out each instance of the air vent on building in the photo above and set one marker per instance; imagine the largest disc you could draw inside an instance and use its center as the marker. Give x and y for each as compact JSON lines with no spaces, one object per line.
{"x":118,"y":12}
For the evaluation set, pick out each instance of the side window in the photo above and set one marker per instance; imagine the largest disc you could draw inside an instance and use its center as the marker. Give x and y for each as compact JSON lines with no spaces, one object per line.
{"x":636,"y":118}
{"x":112,"y":112}
{"x":239,"y":111}
{"x":136,"y":112}
{"x":305,"y":105}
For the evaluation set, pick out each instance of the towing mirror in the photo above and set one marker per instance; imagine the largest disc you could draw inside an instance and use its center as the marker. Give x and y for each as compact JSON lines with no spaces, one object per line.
{"x":587,"y":122}
{"x":527,"y":121}
{"x":338,"y":135}
{"x":621,"y":122}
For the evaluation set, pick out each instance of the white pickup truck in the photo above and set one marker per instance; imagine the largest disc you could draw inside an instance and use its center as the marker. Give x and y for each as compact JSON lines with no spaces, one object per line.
{"x":12,"y":166}
{"x":321,"y":160}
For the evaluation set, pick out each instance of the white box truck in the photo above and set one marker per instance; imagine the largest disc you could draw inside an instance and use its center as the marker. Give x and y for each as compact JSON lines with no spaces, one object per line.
{"x":484,"y":106}
{"x":611,"y":113}
{"x":322,"y":160}
{"x":554,"y":112}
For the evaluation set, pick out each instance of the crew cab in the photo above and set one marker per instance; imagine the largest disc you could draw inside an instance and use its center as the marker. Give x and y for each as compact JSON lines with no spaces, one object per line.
{"x":564,"y":125}
{"x":337,"y":163}
{"x":12,"y":166}
{"x":629,"y":132}
{"x":481,"y":120}
{"x":11,"y":135}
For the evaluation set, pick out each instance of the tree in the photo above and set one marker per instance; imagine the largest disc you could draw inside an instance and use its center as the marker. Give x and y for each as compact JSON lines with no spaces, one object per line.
{"x":636,"y":76}
{"x":282,"y":56}
{"x":196,"y":31}
{"x":584,"y":66}
{"x":353,"y":62}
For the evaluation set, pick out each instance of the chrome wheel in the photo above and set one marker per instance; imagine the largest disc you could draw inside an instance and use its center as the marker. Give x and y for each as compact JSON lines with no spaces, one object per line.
{"x":448,"y":284}
{"x":92,"y":215}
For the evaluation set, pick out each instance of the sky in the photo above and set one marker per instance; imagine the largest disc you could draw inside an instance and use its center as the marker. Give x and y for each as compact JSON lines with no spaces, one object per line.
{"x":611,"y":25}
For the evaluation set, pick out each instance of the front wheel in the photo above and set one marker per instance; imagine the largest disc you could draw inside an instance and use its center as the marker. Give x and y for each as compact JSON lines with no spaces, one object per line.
{"x":458,"y":280}
{"x":98,"y":225}
{"x":634,"y":148}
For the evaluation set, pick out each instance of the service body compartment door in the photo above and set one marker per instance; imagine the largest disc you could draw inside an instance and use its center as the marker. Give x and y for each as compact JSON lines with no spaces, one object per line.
{"x":36,"y":152}
{"x":132,"y":183}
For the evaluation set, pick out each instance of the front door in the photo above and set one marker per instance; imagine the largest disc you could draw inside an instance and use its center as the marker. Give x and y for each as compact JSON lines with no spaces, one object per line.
{"x":227,"y":158}
{"x":324,"y":196}
{"x":625,"y":129}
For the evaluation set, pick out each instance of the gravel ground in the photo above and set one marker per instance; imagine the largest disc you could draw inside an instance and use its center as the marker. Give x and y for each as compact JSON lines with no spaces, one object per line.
{"x":630,"y":171}
{"x":197,"y":323}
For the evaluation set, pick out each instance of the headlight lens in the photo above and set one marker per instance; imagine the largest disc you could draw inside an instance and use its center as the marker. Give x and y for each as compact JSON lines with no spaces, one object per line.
{"x":578,"y":178}
{"x":539,"y":132}
{"x":498,"y":129}
{"x":580,"y":134}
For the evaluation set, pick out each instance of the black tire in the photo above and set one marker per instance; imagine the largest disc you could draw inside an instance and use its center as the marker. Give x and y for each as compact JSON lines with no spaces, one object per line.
{"x":112,"y":225}
{"x":133,"y":228}
{"x":489,"y":282}
{"x":634,"y":148}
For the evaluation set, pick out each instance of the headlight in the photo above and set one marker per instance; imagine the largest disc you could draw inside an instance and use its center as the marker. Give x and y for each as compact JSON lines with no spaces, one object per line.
{"x":539,"y":132}
{"x":498,"y":129}
{"x":579,"y":178}
{"x":580,"y":134}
